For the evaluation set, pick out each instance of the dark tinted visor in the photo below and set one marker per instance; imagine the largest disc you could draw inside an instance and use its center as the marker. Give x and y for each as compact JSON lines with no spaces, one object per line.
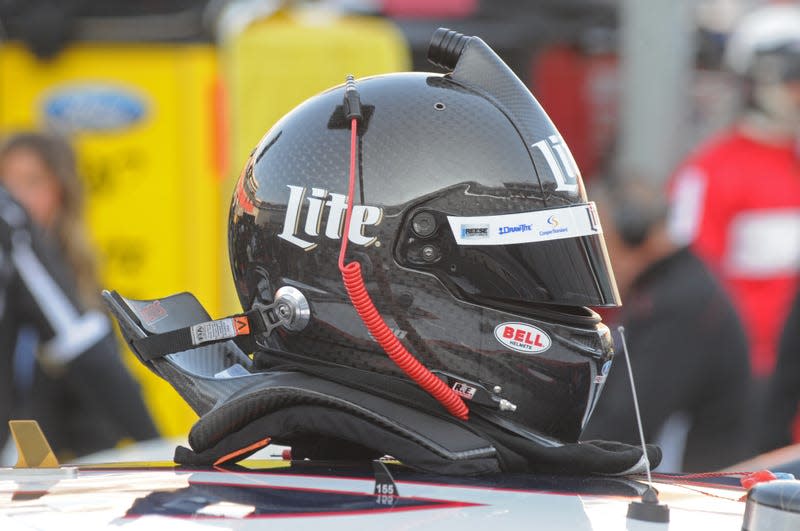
{"x":554,"y":256}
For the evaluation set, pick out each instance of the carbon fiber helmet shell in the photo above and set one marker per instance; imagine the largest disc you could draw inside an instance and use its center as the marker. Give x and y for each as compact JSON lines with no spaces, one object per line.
{"x":432,"y":152}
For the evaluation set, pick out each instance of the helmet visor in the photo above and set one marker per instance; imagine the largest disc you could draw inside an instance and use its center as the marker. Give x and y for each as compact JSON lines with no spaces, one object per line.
{"x":554,"y":256}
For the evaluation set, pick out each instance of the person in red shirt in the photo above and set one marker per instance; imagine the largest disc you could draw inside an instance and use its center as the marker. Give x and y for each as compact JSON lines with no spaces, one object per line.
{"x":737,"y":199}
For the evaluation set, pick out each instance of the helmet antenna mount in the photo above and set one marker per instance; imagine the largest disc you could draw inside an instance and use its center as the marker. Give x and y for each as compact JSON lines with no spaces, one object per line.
{"x":357,"y":291}
{"x":649,"y":509}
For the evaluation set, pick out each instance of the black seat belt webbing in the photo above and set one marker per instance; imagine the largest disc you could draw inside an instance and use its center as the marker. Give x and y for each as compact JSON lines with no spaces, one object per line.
{"x":241,"y":328}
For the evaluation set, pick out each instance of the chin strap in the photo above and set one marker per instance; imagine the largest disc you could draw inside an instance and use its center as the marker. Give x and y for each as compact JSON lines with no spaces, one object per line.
{"x":243,"y":329}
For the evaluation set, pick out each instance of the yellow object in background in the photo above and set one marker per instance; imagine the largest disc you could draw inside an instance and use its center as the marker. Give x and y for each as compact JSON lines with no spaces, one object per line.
{"x":152,"y":139}
{"x":279,"y":61}
{"x":142,"y":119}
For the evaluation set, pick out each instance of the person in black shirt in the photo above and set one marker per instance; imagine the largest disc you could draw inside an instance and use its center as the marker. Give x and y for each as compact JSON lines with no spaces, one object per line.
{"x":78,"y":347}
{"x":687,"y":347}
{"x":780,"y":423}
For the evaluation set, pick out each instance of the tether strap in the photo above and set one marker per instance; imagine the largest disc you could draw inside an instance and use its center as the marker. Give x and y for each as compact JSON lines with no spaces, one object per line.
{"x":241,"y":328}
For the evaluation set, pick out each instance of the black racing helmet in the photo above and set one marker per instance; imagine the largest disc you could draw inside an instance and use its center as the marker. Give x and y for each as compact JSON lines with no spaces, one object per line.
{"x":472,"y":227}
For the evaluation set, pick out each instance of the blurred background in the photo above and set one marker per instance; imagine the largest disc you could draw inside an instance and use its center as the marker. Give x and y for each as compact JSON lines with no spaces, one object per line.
{"x":163,"y":101}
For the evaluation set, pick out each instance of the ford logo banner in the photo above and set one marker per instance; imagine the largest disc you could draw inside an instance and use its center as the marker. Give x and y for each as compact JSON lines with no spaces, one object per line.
{"x":93,"y":108}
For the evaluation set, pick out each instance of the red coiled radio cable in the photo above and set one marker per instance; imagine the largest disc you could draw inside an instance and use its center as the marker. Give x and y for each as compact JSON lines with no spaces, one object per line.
{"x":353,"y":281}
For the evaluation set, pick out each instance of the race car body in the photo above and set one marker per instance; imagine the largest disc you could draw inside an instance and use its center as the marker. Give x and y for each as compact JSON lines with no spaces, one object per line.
{"x":331,"y":496}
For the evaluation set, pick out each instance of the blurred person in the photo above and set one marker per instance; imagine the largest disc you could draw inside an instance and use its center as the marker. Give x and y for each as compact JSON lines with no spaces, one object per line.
{"x":687,"y":348}
{"x":60,"y":358}
{"x":40,"y":172}
{"x":737,"y":199}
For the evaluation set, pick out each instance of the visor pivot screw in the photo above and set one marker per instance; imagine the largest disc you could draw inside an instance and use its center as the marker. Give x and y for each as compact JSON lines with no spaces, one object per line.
{"x":429,"y":253}
{"x":505,"y":405}
{"x":423,"y":224}
{"x":497,"y":389}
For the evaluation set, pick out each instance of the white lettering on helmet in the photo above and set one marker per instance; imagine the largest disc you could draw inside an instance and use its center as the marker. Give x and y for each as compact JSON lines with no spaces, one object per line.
{"x":562,"y":164}
{"x":318,"y":199}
